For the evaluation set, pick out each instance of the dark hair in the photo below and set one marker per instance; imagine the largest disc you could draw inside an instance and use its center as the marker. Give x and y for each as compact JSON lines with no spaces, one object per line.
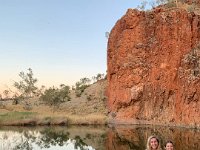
{"x":169,"y":142}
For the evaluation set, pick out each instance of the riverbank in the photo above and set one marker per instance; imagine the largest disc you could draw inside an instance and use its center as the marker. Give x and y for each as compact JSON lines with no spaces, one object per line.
{"x":27,"y":118}
{"x":89,"y":108}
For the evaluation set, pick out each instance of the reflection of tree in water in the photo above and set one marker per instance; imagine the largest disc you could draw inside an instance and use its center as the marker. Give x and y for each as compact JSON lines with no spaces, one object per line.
{"x":26,"y":145}
{"x":48,"y":138}
{"x":52,"y":138}
{"x":26,"y":141}
{"x":79,"y":143}
{"x":98,"y":140}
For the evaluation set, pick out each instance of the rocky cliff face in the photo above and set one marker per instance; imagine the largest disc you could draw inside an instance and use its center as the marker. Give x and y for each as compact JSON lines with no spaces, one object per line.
{"x":154,"y":68}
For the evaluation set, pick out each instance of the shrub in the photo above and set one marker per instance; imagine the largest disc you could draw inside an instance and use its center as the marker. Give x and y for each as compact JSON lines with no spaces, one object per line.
{"x":81,"y":86}
{"x":89,"y":97}
{"x":17,"y":99}
{"x":55,"y":96}
{"x":98,"y":77}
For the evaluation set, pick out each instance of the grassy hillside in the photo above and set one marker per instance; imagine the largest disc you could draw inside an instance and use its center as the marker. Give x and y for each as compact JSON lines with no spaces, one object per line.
{"x":89,"y":108}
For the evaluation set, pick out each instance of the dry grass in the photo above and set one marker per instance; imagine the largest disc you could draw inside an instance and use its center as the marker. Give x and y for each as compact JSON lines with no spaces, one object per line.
{"x":80,"y":110}
{"x":88,"y":119}
{"x":49,"y":118}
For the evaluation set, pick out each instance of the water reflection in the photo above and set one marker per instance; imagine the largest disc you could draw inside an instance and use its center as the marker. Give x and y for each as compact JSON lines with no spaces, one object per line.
{"x":95,"y":137}
{"x":51,"y":138}
{"x":135,"y":137}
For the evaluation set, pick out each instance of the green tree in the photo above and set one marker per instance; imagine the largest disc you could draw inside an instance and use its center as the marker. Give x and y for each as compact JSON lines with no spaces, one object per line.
{"x":81,"y":86}
{"x":55,"y":96}
{"x":51,"y":96}
{"x":85,"y":81}
{"x":40,"y":90}
{"x":27,"y":83}
{"x":64,"y":92}
{"x":100,"y":76}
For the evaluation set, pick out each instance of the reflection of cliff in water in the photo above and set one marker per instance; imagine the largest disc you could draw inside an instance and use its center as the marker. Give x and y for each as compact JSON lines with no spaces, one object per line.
{"x":134,"y":137}
{"x":95,"y":137}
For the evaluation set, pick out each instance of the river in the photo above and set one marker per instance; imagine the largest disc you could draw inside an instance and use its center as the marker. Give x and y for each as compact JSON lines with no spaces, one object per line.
{"x":95,"y":137}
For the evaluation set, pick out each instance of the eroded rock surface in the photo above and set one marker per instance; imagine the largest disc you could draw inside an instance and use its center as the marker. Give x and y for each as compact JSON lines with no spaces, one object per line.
{"x":154,"y":68}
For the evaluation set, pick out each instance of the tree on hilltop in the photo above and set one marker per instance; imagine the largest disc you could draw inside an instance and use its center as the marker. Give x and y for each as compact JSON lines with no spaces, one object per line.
{"x":81,"y":86}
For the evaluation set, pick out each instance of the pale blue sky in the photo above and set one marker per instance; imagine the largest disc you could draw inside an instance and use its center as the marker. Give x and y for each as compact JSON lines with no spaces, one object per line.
{"x":61,"y":40}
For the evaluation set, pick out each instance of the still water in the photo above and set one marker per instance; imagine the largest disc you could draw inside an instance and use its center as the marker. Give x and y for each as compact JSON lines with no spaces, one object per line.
{"x":94,"y":137}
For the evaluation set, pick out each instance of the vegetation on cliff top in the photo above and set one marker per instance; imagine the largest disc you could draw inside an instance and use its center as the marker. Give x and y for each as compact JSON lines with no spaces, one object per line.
{"x":189,"y":6}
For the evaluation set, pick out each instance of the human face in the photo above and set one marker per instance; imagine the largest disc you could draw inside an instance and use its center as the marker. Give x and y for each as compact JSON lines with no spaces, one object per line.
{"x":169,"y":146}
{"x":154,"y":143}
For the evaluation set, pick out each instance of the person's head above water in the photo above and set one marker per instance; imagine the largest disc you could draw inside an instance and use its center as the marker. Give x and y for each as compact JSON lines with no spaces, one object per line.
{"x":169,"y":145}
{"x":153,"y":143}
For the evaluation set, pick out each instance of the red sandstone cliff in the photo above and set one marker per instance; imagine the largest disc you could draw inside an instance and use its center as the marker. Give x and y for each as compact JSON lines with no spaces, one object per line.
{"x":154,"y":68}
